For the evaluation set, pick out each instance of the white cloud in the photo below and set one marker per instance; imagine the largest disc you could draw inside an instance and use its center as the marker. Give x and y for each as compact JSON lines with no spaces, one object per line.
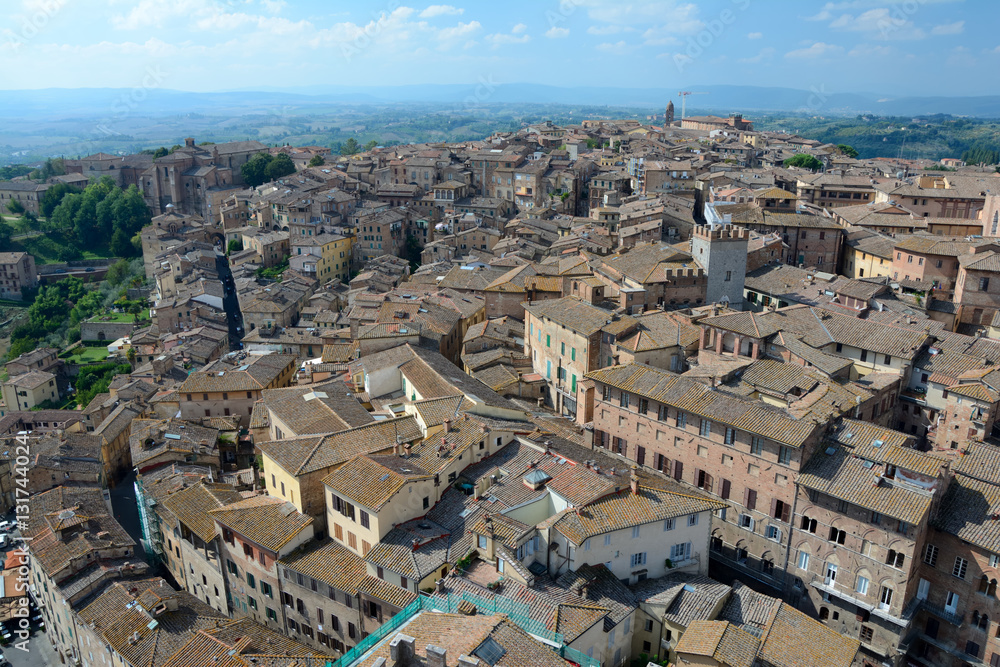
{"x":604,"y":30}
{"x":155,"y":12}
{"x":886,"y":23}
{"x":660,"y":36}
{"x":441,"y":10}
{"x":557,"y":33}
{"x":948,"y":28}
{"x":681,"y":16}
{"x":617,"y":48}
{"x":816,"y":50}
{"x":273,"y":6}
{"x":519,"y":28}
{"x":459,"y":32}
{"x":764,"y":54}
{"x":755,"y":35}
{"x":869,"y":51}
{"x":502,"y":39}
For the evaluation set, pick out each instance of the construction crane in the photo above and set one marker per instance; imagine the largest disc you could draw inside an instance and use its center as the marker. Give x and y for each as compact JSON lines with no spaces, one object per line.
{"x":684,"y":95}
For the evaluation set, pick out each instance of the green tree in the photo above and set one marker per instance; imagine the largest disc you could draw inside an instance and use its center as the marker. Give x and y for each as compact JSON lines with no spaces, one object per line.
{"x":846,"y":150}
{"x":371,"y":144}
{"x":5,"y":233}
{"x":15,"y":207}
{"x":317,"y":161}
{"x":254,"y":172}
{"x":805,"y":161}
{"x":160,"y":152}
{"x":235,"y":245}
{"x":350,"y":147}
{"x":280,"y":165}
{"x":54,"y":196}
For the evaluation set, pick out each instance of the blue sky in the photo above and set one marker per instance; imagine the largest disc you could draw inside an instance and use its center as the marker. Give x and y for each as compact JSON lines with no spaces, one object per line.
{"x":917,"y":47}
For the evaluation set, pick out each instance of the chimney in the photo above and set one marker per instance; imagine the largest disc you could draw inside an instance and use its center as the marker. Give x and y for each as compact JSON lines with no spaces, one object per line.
{"x":447,"y":426}
{"x":436,"y":656}
{"x":415,"y":543}
{"x":189,"y":142}
{"x":401,"y":650}
{"x":634,"y":481}
{"x":466,"y":661}
{"x":439,"y":586}
{"x":399,"y":449}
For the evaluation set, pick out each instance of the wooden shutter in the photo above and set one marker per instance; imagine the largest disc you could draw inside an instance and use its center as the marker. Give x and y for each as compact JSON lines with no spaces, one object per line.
{"x":751,"y":499}
{"x":708,"y":482}
{"x":786,"y":513}
{"x":726,"y":487}
{"x":746,"y":497}
{"x":678,"y":470}
{"x":774,"y":508}
{"x":697,"y":476}
{"x":640,"y":455}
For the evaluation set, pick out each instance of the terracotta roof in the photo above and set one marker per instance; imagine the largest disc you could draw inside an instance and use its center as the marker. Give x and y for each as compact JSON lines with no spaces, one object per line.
{"x":192,"y":505}
{"x":269,"y":522}
{"x":328,"y":562}
{"x":793,"y":639}
{"x":720,"y":641}
{"x":623,"y":510}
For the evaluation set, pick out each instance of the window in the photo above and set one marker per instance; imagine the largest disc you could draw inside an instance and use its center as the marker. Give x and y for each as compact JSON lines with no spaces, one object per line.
{"x":808,"y":524}
{"x":251,"y":582}
{"x":876,"y":518}
{"x":364,"y":519}
{"x":838,"y":536}
{"x":984,"y":284}
{"x":784,"y":455}
{"x":750,"y":499}
{"x":730,"y":436}
{"x":885,"y":598}
{"x":756,"y":446}
{"x":668,"y":524}
{"x":861,"y":586}
{"x":831,"y":573}
{"x":773,"y":533}
{"x":960,"y":567}
{"x":607,"y":540}
{"x":638,"y":559}
{"x":266,"y":589}
{"x":706,"y":428}
{"x":994,"y":560}
{"x":623,"y":400}
{"x":548,"y":340}
{"x":635,"y":532}
{"x":803,"y":560}
{"x":586,"y":545}
{"x":895,"y":559}
{"x":693,"y":520}
{"x":271,"y":615}
{"x":971,"y":647}
{"x":746,"y":521}
{"x":681,"y":419}
{"x":680,"y":552}
{"x":866,"y":634}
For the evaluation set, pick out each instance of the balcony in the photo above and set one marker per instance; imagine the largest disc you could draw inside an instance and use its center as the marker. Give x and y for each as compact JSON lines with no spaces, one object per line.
{"x":937,"y":610}
{"x":876,"y":610}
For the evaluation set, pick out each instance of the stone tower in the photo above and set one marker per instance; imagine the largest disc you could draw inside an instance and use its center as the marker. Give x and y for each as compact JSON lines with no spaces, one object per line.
{"x":722,"y":252}
{"x":668,"y":117}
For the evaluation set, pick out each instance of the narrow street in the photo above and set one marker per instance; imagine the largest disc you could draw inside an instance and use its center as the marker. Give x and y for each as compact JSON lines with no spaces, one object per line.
{"x":231,"y":303}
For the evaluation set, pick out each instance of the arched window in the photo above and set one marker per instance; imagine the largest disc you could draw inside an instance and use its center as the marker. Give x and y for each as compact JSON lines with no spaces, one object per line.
{"x":984,"y":622}
{"x":824,"y":613}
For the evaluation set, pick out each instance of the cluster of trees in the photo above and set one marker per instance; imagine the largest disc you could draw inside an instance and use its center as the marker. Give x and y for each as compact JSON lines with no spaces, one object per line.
{"x":14,"y":171}
{"x":353,"y":146}
{"x":103,"y":216}
{"x":805,"y":161}
{"x":94,"y":380}
{"x":981,"y":155}
{"x":55,"y":314}
{"x":846,"y":150}
{"x":263,"y":168}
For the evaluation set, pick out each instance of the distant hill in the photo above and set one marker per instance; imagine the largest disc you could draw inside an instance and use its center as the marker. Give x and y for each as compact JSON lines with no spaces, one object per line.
{"x":107,"y":102}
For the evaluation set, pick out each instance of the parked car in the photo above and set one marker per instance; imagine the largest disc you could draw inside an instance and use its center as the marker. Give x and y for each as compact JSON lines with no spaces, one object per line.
{"x":4,"y":540}
{"x":7,"y":526}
